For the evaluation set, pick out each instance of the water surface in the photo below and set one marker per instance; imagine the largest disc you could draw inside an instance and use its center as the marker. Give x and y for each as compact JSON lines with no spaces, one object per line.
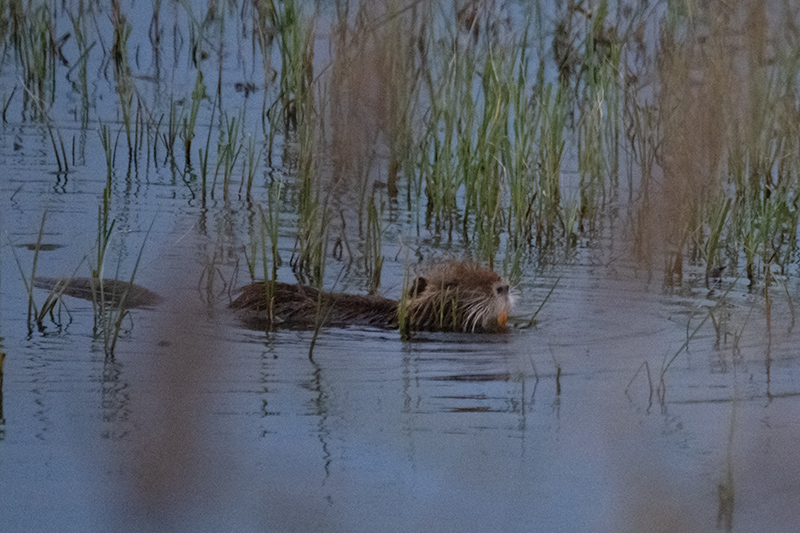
{"x":196,"y":424}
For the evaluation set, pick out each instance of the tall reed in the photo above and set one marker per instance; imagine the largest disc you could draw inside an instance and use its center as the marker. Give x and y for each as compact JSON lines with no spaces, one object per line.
{"x":373,"y":258}
{"x":188,"y":123}
{"x":295,"y":31}
{"x":268,"y":228}
{"x":122,"y":71}
{"x":33,"y":36}
{"x":228,"y":149}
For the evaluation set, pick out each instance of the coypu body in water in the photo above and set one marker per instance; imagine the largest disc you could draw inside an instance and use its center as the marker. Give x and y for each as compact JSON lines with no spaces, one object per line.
{"x":108,"y":292}
{"x":299,"y":306}
{"x":448,"y":296}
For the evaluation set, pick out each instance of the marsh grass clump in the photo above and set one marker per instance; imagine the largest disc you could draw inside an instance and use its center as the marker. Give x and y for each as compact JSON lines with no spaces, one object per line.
{"x":122,"y":72}
{"x":112,"y":299}
{"x":264,"y":245}
{"x":228,"y":149}
{"x":295,"y":31}
{"x":728,"y":183}
{"x":469,"y":120}
{"x":33,"y":35}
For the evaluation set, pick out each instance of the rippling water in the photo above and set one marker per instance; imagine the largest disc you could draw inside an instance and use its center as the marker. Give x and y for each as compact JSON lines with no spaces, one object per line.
{"x":198,"y":424}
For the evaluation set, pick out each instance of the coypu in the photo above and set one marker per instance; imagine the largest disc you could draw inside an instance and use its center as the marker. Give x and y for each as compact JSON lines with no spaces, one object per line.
{"x":114,"y":293}
{"x":449,"y":296}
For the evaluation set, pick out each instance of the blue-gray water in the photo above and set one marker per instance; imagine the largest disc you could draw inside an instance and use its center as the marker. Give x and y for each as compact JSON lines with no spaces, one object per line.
{"x":197,"y":424}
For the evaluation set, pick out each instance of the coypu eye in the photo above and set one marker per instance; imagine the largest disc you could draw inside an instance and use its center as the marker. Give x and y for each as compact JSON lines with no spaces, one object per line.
{"x":502,"y":289}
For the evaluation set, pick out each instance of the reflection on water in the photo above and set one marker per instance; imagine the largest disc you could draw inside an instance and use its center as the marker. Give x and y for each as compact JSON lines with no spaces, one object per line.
{"x":114,"y":400}
{"x":42,"y":247}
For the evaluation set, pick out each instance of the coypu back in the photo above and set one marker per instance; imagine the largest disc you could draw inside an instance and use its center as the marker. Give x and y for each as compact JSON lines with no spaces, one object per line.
{"x":304,"y":307}
{"x":109,"y":292}
{"x":459,"y":296}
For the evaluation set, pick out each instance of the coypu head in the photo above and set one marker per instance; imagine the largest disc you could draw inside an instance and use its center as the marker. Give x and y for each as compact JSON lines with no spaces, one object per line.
{"x":459,"y":296}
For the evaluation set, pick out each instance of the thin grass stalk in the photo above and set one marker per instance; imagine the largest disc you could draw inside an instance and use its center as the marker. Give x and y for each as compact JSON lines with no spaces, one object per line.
{"x":718,"y":217}
{"x":122,"y":311}
{"x":189,"y":122}
{"x":373,"y":258}
{"x":269,"y":281}
{"x":105,"y":141}
{"x":174,"y":120}
{"x":521,"y":157}
{"x":551,"y":149}
{"x":32,"y":311}
{"x":264,"y":32}
{"x":79,"y":30}
{"x":253,"y":160}
{"x":122,"y":74}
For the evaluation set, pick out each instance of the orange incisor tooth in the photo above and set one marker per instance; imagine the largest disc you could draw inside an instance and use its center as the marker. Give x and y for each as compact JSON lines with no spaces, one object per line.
{"x":502,"y":318}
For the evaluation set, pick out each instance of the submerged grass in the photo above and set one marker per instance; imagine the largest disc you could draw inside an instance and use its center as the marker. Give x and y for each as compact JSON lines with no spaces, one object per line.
{"x":268,"y":226}
{"x":110,"y":307}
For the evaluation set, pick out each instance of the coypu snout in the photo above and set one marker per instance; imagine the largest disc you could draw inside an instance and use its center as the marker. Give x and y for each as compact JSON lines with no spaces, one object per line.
{"x":503,"y":291}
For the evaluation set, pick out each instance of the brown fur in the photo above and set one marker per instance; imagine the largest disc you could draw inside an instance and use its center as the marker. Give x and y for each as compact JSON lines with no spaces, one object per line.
{"x":459,"y":296}
{"x":299,"y":306}
{"x":448,"y":296}
{"x":114,"y":293}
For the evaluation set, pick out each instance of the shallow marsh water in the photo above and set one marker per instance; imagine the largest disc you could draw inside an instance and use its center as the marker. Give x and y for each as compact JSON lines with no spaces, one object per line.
{"x":197,"y":424}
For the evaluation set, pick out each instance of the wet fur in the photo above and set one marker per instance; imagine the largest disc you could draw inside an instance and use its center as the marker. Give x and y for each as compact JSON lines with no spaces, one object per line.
{"x":459,"y":296}
{"x":447,"y":296}
{"x":114,"y":293}
{"x":301,"y":306}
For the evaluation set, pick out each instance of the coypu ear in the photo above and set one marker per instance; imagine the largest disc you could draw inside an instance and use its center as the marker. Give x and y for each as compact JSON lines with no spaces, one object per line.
{"x":417,"y":287}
